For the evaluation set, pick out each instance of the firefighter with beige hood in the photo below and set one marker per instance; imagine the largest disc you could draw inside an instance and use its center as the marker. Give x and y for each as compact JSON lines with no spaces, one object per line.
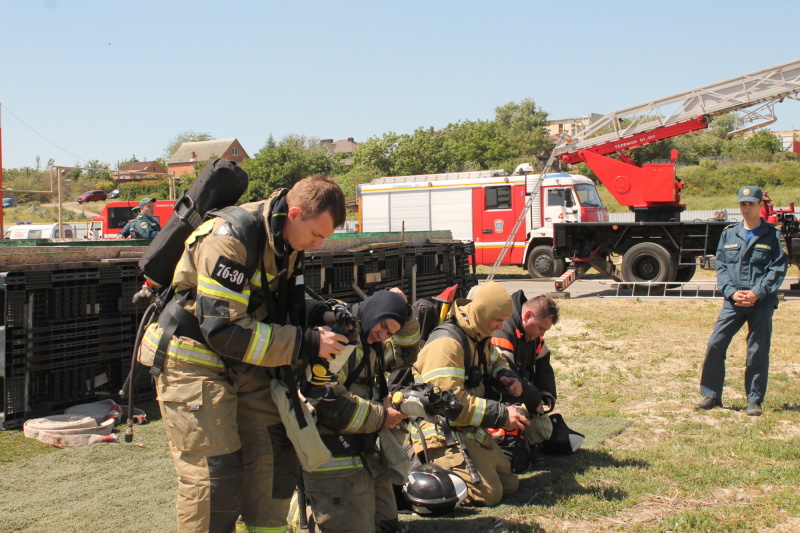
{"x":444,"y":363}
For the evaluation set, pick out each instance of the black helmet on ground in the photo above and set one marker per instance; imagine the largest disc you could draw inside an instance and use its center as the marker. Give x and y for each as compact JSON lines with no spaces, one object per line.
{"x":434,"y":490}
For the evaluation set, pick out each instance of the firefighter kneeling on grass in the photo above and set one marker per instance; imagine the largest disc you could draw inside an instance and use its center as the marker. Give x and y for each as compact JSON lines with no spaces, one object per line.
{"x":353,"y":492}
{"x":444,"y":363}
{"x":224,"y":334}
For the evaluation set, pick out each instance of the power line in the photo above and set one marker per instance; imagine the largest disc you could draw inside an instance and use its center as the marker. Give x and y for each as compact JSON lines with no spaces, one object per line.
{"x":40,"y":135}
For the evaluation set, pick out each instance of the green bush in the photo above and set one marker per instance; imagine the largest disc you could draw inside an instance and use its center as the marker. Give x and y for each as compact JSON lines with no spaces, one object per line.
{"x":132,"y":192}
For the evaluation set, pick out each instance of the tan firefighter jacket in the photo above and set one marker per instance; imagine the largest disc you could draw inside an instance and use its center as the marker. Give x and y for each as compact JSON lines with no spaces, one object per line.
{"x":442,"y":362}
{"x":231,"y":313}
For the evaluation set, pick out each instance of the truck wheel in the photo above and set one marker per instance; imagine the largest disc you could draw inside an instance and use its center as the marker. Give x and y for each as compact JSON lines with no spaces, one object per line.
{"x":542,"y":264}
{"x":685,"y":273}
{"x":648,"y":261}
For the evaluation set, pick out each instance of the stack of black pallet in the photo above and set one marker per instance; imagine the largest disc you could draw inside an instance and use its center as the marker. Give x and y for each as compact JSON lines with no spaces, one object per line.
{"x":421,"y":270}
{"x":66,"y":337}
{"x":67,"y":334}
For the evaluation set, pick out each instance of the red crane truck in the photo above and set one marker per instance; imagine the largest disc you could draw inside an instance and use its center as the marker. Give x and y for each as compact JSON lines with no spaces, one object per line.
{"x":657,"y":246}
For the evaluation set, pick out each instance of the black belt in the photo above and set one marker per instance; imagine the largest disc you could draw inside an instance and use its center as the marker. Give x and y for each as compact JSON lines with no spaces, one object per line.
{"x":176,"y":321}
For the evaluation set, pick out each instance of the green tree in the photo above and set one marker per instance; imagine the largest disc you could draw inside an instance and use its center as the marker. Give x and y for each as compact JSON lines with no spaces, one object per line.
{"x":525,"y":123}
{"x":97,"y":172}
{"x":763,"y":141}
{"x":184,"y":137}
{"x":283,"y":165}
{"x":377,"y":153}
{"x":483,"y":144}
{"x":26,"y":179}
{"x":426,"y":151}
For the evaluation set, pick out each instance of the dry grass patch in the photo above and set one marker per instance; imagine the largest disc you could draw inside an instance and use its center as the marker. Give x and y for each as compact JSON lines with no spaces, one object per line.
{"x":671,"y":469}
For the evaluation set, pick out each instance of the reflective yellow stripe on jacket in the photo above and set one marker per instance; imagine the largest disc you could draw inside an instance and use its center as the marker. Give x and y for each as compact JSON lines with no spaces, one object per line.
{"x":183,"y":351}
{"x":442,"y":372}
{"x":347,"y":462}
{"x":429,"y":430}
{"x":359,"y":417}
{"x":258,"y":344}
{"x":256,"y":529}
{"x":212,"y":289}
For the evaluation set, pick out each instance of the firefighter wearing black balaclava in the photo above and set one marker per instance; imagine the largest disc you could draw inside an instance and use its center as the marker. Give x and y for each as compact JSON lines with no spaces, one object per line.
{"x":351,"y":413}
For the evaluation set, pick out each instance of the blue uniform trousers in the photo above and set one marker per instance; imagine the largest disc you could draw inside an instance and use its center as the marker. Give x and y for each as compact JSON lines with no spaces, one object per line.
{"x":730,"y":321}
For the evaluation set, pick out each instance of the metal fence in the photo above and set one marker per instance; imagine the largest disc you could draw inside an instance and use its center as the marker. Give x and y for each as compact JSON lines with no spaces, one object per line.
{"x":731,"y":214}
{"x":351,"y":226}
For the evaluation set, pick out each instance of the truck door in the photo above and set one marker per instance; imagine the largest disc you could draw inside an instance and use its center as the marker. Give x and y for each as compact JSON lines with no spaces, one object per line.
{"x":560,"y":205}
{"x":495,"y":211}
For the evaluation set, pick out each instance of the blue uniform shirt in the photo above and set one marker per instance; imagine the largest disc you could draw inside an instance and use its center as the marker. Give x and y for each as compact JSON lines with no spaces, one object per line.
{"x":759,"y":265}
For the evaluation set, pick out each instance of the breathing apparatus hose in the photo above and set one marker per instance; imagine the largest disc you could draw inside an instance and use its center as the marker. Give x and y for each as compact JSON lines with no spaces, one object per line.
{"x":127,"y":388}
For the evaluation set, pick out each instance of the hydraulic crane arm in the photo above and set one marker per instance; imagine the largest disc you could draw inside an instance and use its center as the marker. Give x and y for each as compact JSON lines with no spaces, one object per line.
{"x":652,"y":191}
{"x":684,"y":112}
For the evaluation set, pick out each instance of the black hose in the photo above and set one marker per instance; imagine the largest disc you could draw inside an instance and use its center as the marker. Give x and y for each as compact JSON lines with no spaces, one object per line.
{"x":127,"y":388}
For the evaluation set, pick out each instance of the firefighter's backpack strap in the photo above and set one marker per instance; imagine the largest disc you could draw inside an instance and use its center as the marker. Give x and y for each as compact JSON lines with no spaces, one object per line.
{"x":247,"y":227}
{"x":448,"y":328}
{"x":174,"y":318}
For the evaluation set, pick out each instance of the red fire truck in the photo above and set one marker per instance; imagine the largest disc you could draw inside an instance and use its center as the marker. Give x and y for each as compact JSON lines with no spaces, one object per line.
{"x":658,"y":246}
{"x":115,"y":215}
{"x":483,"y":207}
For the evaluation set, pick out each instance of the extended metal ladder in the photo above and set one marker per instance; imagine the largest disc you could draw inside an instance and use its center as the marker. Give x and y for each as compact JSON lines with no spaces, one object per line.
{"x":766,"y":87}
{"x":698,"y":290}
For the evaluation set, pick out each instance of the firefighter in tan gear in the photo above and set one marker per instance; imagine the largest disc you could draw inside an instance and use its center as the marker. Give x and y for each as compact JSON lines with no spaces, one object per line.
{"x":442,"y":362}
{"x":351,"y":413}
{"x":230,"y":331}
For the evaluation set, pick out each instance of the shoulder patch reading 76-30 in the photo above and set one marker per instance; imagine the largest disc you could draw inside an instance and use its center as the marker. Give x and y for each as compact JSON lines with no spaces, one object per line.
{"x":229,"y":274}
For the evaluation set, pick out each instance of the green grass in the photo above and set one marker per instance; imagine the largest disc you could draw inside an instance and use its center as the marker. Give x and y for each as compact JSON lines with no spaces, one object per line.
{"x":39,"y":214}
{"x":628,"y":374}
{"x":696,"y":200}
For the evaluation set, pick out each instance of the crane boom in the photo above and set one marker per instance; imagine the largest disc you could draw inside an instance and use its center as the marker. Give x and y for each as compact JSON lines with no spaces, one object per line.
{"x":684,"y":112}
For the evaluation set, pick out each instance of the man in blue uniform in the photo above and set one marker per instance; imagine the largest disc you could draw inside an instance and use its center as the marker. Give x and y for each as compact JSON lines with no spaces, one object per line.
{"x":127,"y":232}
{"x":751,"y":265}
{"x":146,"y":226}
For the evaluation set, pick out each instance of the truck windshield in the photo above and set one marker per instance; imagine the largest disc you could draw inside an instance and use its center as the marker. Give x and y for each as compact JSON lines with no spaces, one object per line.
{"x":588,"y":196}
{"x":119,"y":216}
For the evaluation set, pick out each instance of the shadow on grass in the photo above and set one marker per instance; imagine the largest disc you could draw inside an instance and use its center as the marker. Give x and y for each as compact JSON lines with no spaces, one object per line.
{"x":553,"y":480}
{"x":787,"y":407}
{"x":539,"y":486}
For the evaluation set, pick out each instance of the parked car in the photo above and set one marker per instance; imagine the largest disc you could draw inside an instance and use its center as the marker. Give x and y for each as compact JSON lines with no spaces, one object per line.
{"x":92,"y":196}
{"x":9,"y":202}
{"x":113,"y":194}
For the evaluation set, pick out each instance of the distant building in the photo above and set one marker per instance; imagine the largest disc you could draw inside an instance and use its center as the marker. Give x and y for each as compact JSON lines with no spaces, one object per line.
{"x":789,"y":140}
{"x":346,"y":147}
{"x":188,"y":155}
{"x":570,"y":126}
{"x":139,"y":170}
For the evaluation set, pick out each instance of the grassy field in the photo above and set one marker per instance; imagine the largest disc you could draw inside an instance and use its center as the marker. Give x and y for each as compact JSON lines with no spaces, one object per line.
{"x":46,"y":213}
{"x":781,"y":196}
{"x":628,"y":374}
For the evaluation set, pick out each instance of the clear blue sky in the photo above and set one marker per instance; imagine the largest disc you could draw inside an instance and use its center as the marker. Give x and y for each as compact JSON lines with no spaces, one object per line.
{"x":107,"y":80}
